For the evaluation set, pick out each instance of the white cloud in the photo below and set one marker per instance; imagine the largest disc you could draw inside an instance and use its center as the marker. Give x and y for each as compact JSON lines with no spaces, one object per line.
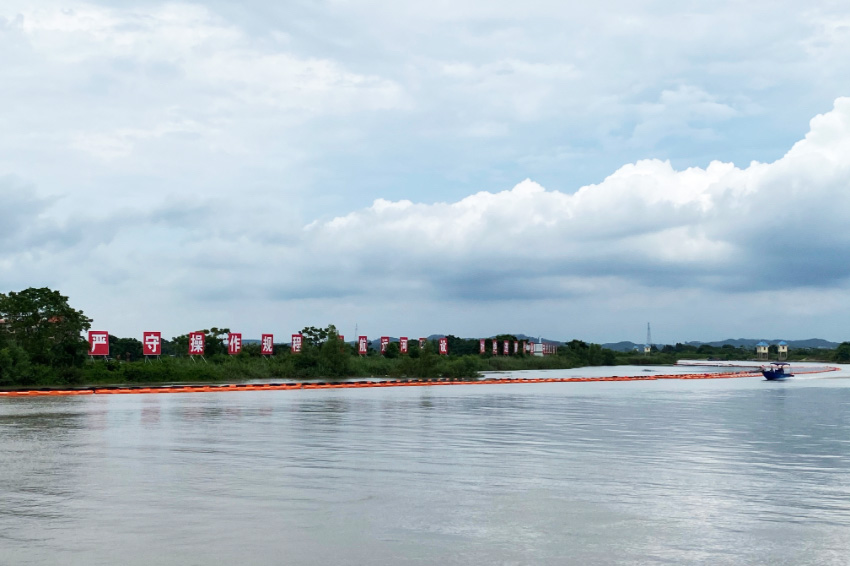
{"x":762,"y":226}
{"x":526,"y":90}
{"x":686,"y":113}
{"x":174,"y":150}
{"x":173,"y":67}
{"x":769,"y":232}
{"x":121,"y":142}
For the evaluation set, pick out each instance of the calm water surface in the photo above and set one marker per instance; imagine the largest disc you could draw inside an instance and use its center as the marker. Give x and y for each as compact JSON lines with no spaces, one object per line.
{"x":730,"y":471}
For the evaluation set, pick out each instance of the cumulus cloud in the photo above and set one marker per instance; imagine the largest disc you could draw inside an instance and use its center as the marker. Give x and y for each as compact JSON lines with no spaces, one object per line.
{"x":765,"y":226}
{"x":645,"y":230}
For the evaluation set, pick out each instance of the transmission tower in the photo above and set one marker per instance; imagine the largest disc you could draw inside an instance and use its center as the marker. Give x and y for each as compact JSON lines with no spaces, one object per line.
{"x":647,"y":348}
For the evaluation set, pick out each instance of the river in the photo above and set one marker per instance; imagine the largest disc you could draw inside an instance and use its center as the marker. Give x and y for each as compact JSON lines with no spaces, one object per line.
{"x":723,"y":471}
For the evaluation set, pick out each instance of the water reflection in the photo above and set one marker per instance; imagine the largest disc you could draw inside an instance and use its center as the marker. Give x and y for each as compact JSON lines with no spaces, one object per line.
{"x":726,"y":472}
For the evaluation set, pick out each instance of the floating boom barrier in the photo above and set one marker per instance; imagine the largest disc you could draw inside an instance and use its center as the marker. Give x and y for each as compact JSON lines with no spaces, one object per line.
{"x":159,"y":389}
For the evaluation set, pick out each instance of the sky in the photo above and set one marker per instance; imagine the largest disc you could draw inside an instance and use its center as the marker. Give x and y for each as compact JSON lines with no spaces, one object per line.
{"x":466,"y":167}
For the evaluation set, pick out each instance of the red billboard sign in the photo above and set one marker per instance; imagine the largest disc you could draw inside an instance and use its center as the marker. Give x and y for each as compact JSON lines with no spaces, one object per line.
{"x":98,"y":343}
{"x":481,"y":348}
{"x":152,"y":343}
{"x":234,"y":343}
{"x":385,"y":342}
{"x":297,"y":342}
{"x":197,"y":342}
{"x":495,"y":347}
{"x":362,"y":345}
{"x":402,"y":344}
{"x":506,"y":348}
{"x":444,"y":346}
{"x":267,"y":345}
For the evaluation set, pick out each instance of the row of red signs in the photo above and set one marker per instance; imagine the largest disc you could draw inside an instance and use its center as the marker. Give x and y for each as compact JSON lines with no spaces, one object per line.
{"x":363,"y":345}
{"x":506,"y":347}
{"x":152,"y":344}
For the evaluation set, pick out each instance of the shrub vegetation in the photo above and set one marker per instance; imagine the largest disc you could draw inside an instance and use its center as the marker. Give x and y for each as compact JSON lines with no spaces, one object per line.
{"x":42,"y":344}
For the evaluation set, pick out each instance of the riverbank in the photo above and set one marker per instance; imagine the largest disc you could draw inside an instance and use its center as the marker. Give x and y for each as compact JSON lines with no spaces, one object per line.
{"x":324,"y":364}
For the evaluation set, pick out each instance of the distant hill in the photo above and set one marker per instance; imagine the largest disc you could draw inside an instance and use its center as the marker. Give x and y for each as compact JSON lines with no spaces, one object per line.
{"x":627,"y":346}
{"x":624,"y":346}
{"x":751,"y":343}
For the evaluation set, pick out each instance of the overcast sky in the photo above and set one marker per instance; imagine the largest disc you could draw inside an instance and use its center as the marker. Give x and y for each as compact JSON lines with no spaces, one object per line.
{"x":467,"y":167}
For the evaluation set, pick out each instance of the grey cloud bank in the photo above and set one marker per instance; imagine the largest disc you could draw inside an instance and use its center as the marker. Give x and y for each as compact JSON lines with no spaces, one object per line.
{"x":175,"y":166}
{"x":737,"y":235}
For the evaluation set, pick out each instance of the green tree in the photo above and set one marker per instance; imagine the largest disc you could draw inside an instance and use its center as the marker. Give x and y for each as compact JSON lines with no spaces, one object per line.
{"x":43,"y":324}
{"x":14,"y":365}
{"x":127,"y":349}
{"x":213,"y":343}
{"x":427,"y":364}
{"x":842,"y":353}
{"x":334,"y":354}
{"x":315,"y":336}
{"x":462,"y":346}
{"x":214,"y":339}
{"x":393,"y":351}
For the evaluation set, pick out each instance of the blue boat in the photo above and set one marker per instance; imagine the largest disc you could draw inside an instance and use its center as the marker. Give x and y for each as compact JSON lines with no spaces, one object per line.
{"x":776,"y":371}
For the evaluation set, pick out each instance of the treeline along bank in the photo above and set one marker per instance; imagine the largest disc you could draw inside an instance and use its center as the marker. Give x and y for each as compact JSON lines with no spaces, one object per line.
{"x":42,"y":344}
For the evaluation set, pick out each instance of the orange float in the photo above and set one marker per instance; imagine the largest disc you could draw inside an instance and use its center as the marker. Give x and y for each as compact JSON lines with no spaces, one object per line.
{"x":111,"y":390}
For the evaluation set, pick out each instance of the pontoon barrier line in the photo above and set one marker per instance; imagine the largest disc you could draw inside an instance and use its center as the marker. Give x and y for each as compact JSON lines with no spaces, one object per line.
{"x":136,"y":390}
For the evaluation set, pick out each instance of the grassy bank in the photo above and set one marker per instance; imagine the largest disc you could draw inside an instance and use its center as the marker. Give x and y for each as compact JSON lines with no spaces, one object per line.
{"x":327,"y":363}
{"x":183,"y":370}
{"x":222,"y":369}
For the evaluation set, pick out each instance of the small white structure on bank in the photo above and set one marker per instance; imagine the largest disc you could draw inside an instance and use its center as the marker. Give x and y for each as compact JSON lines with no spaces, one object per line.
{"x":761,"y":350}
{"x":541,"y":349}
{"x":783,"y":350}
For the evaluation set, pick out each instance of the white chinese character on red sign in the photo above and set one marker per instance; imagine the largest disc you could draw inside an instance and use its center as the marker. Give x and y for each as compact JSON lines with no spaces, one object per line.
{"x":296,"y":343}
{"x":196,"y":343}
{"x":98,"y":343}
{"x":362,"y":345}
{"x":234,"y":343}
{"x":267,"y":345}
{"x":152,"y":343}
